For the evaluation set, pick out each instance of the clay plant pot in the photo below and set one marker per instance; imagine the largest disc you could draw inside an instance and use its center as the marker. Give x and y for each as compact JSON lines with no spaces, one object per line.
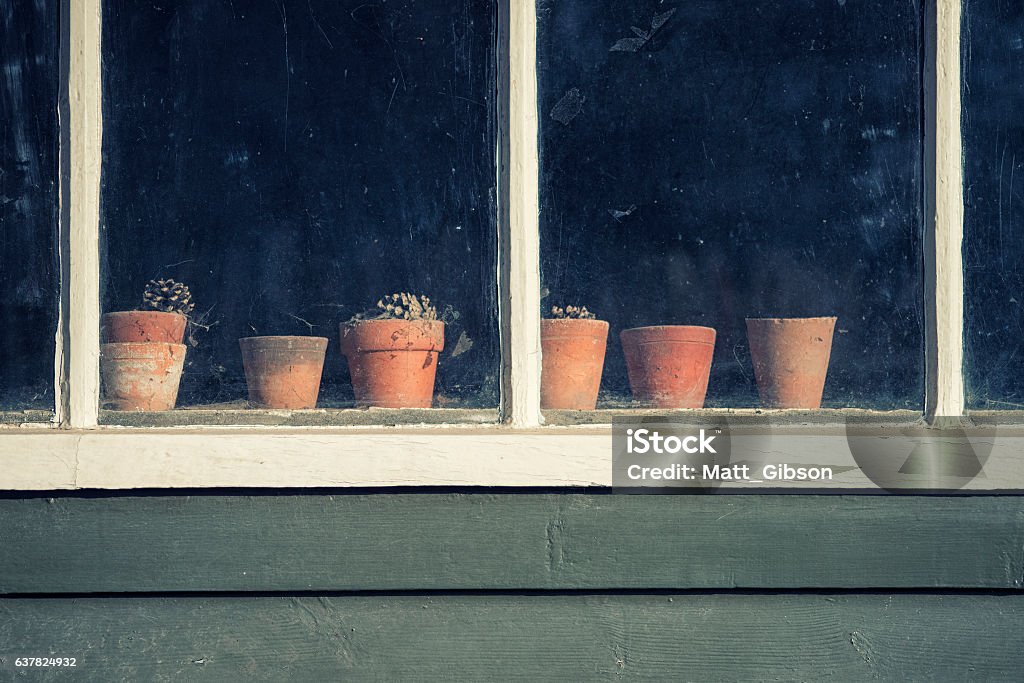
{"x":790,"y":357}
{"x":572,"y":362}
{"x":393,"y":363}
{"x":669,"y":365}
{"x":143,"y":326}
{"x":141,"y":375}
{"x":283,"y":372}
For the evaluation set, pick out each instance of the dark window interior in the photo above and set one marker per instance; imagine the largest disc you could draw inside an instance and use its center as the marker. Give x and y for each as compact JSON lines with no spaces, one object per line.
{"x":993,"y":103}
{"x":29,"y":140}
{"x":708,"y":161}
{"x":292,"y":161}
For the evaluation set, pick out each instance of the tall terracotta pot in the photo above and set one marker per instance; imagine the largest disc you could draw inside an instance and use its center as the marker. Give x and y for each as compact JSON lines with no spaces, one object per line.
{"x":143,"y":326}
{"x":790,"y":358}
{"x":572,"y":362}
{"x":283,"y":372}
{"x":141,"y":375}
{"x":393,"y":363}
{"x":669,"y":365}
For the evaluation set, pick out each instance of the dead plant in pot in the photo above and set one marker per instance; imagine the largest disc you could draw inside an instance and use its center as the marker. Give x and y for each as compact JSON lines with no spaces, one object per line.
{"x":142,"y":355}
{"x":392,"y":351}
{"x":573,"y":344}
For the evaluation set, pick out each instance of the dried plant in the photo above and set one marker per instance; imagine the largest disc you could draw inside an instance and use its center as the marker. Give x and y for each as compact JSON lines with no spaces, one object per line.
{"x":572,"y":312}
{"x":403,"y":306}
{"x":167,"y":296}
{"x":406,"y":306}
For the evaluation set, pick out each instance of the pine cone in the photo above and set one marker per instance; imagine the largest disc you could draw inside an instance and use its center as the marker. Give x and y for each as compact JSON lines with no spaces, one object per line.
{"x":167,"y":296}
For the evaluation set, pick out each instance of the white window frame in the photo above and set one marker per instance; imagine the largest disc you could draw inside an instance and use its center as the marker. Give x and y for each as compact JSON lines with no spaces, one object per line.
{"x":81,"y":454}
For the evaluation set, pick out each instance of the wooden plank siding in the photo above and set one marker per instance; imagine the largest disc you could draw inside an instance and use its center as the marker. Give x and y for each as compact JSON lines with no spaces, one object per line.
{"x":422,"y":541}
{"x":479,"y":638}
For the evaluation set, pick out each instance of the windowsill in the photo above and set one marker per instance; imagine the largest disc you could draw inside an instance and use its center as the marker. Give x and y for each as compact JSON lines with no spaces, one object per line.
{"x":32,"y":417}
{"x":827,"y":416}
{"x":256,"y":417}
{"x":470,"y":417}
{"x":278,"y":457}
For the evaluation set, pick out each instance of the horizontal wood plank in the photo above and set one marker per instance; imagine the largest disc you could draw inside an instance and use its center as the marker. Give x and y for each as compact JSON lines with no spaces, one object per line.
{"x":421,"y":541}
{"x":476,"y":638}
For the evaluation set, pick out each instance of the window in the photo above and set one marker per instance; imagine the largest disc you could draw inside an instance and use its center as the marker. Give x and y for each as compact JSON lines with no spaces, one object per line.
{"x":993,"y":239}
{"x":29,"y":287}
{"x":721,"y":162}
{"x":293,"y":162}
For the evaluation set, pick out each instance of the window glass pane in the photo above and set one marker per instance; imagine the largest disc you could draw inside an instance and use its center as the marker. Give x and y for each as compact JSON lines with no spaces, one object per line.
{"x":716,"y":161}
{"x":993,"y":99}
{"x":292,"y":161}
{"x":29,"y":289}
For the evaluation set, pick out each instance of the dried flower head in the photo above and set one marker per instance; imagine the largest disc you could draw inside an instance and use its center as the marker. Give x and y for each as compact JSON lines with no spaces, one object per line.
{"x":405,"y":306}
{"x":167,"y":296}
{"x":577,"y":312}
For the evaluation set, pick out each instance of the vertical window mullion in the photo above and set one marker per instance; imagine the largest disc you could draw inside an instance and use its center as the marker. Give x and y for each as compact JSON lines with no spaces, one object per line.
{"x":80,"y":207}
{"x":946,"y":305}
{"x":522,"y":403}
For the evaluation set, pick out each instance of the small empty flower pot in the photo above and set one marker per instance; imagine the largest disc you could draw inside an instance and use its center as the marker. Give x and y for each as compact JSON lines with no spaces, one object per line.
{"x":283,"y":372}
{"x":572,"y":362}
{"x":790,"y":358}
{"x":393,"y":363}
{"x":141,"y":376}
{"x":143,"y":326}
{"x":669,"y":365}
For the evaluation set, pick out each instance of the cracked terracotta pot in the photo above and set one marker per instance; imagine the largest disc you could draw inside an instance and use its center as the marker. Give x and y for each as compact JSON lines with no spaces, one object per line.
{"x":143,"y":326}
{"x":669,"y":365}
{"x":790,"y":358}
{"x":393,"y":363}
{"x":141,"y":375}
{"x":283,"y":372}
{"x":572,"y":362}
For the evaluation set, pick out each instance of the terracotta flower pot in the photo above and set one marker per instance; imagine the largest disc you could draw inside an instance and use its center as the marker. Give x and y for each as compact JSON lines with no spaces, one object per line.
{"x":283,"y":372}
{"x":143,"y":326}
{"x":393,"y":363}
{"x":669,"y":365}
{"x":572,"y":362}
{"x":141,"y":375}
{"x":790,"y":357}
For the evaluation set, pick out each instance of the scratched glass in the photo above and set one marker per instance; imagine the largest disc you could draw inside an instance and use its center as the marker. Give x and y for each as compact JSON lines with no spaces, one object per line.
{"x":293,"y":161}
{"x":993,"y":97}
{"x":716,"y":161}
{"x":29,"y":139}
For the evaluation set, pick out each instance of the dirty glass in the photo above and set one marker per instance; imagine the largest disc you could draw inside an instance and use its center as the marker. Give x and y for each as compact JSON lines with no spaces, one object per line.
{"x":993,"y":99}
{"x":711,"y":161}
{"x":292,"y":161}
{"x":29,"y":43}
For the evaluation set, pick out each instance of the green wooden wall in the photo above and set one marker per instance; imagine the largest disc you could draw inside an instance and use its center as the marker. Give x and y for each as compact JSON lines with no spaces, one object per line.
{"x":475,"y":585}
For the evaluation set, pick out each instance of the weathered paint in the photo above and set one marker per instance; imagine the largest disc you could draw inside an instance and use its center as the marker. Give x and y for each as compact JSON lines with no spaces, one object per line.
{"x":436,"y":455}
{"x":80,"y":200}
{"x":523,"y":331}
{"x":441,"y":541}
{"x":536,"y":637}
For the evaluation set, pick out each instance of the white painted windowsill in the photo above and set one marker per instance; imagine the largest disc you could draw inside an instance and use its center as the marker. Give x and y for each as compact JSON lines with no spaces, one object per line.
{"x":486,"y":456}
